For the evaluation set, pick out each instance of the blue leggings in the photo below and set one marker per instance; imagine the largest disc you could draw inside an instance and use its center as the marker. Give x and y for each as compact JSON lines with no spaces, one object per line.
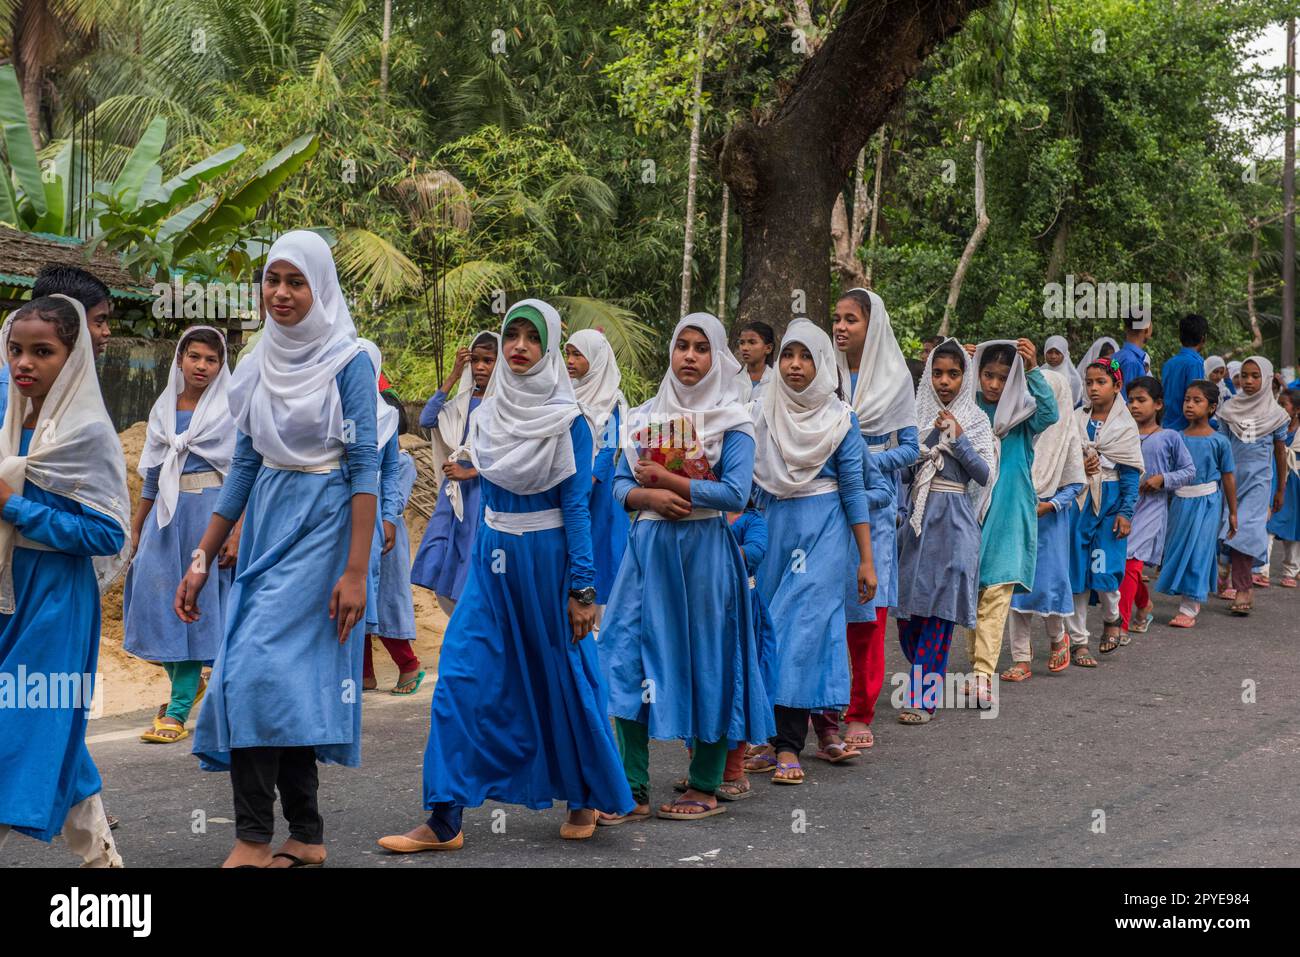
{"x":926,"y":642}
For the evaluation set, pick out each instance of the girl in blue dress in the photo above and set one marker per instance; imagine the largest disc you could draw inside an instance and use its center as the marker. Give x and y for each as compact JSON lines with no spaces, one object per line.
{"x":1284,"y":526}
{"x":286,"y":684}
{"x":442,"y":561}
{"x":809,"y":463}
{"x":678,"y":648}
{"x":64,"y":520}
{"x":186,"y":456}
{"x":590,"y":361}
{"x":518,"y":712}
{"x":1187,"y":568}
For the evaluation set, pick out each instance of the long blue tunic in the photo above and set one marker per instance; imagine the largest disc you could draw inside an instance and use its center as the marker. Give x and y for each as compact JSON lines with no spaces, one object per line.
{"x":939,"y":570}
{"x":1254,"y":493}
{"x":150,"y":627}
{"x":442,"y":561}
{"x":281,"y":678}
{"x":677,"y":644}
{"x":809,"y":541}
{"x":1052,"y":594}
{"x":518,"y":712}
{"x":389,"y":508}
{"x":750,"y":530}
{"x":1163,"y":453}
{"x":609,"y":520}
{"x":45,"y":767}
{"x":1286,"y":523}
{"x":1181,"y":370}
{"x":395,"y":616}
{"x":1009,"y":542}
{"x":1190,"y":557}
{"x":1097,"y":556}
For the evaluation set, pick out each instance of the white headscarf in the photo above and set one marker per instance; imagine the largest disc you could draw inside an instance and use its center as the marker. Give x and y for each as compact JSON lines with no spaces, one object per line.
{"x":445,"y":438}
{"x":210,"y":434}
{"x":1118,"y":442}
{"x":1016,"y":403}
{"x":1214,"y":362}
{"x":386,"y":418}
{"x":1233,"y":368}
{"x":1058,"y":452}
{"x":519,"y":438}
{"x":598,"y":391}
{"x":74,"y":452}
{"x":974,"y":424}
{"x":1091,"y":356}
{"x":1253,"y":417}
{"x":796,"y":432}
{"x":1066,"y":369}
{"x":885,"y":397}
{"x":710,"y":406}
{"x":285,"y":397}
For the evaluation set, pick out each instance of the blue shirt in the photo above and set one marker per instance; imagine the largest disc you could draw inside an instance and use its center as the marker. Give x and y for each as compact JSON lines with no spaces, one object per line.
{"x":1132,"y":364}
{"x":1184,"y":368}
{"x":4,"y":390}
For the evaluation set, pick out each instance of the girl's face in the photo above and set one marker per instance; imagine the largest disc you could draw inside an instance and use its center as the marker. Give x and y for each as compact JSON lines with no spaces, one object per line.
{"x":1106,"y":351}
{"x":1196,"y":407}
{"x":993,"y":379}
{"x":753,"y":350}
{"x":1251,"y":378}
{"x":1218,"y":374}
{"x":1101,"y":389}
{"x":199,"y":364}
{"x":946,"y":376}
{"x":850,"y":327}
{"x":692,"y":358}
{"x":285,"y":293}
{"x":482,"y":360}
{"x":36,"y":356}
{"x":522,"y":345}
{"x":797,"y":366}
{"x":1144,"y":408}
{"x":575,"y":362}
{"x":1054,"y":357}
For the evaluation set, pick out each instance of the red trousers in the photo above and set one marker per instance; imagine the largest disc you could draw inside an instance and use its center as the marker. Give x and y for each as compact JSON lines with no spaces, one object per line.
{"x":1132,"y":592}
{"x":867,"y":662}
{"x":402,"y":654}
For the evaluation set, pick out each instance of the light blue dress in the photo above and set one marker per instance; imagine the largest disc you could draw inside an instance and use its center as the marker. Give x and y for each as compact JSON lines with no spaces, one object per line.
{"x":1097,"y":557}
{"x":390,"y":470}
{"x":678,"y":645}
{"x":1286,"y":523}
{"x":281,"y":678}
{"x":4,"y":389}
{"x":442,"y":561}
{"x":396,"y":609}
{"x":518,"y":712}
{"x":1254,"y":493}
{"x":1163,"y":453}
{"x":1190,"y":564}
{"x":45,"y":767}
{"x":609,"y":521}
{"x":1052,"y":594}
{"x":150,"y":627}
{"x":750,"y":530}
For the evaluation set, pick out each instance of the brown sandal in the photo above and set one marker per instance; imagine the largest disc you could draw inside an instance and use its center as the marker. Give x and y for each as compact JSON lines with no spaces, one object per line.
{"x":1020,"y":671}
{"x":1081,"y":657}
{"x":1059,"y":659}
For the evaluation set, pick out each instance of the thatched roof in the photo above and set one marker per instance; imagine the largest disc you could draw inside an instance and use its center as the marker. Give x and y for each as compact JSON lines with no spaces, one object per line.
{"x":23,"y":254}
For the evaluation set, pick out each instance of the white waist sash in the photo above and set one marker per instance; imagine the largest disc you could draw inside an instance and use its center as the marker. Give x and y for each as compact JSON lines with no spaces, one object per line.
{"x":322,"y":469}
{"x":818,"y":486}
{"x":695,"y":516}
{"x":198,"y":481}
{"x":1197,"y":491}
{"x":519,"y":523}
{"x":941,"y":484}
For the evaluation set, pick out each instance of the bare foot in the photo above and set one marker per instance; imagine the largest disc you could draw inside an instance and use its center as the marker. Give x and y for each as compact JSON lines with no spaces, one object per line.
{"x":247,"y":853}
{"x":583,"y":818}
{"x":691,"y":795}
{"x":307,"y":853}
{"x":640,"y":810}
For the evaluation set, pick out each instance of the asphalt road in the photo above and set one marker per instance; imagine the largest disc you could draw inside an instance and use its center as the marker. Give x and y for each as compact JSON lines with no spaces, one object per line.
{"x":1152,"y":759}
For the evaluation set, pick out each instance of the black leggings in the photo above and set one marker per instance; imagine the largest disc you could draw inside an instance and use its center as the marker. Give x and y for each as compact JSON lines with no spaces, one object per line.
{"x":791,"y":729}
{"x":256,"y":773}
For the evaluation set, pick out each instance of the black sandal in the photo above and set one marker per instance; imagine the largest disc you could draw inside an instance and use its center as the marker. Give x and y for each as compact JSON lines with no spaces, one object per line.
{"x":1110,"y":639}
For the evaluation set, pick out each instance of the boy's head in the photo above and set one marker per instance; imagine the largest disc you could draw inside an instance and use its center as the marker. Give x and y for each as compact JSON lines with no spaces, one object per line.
{"x":995,"y":368}
{"x":1138,"y":325}
{"x":87,"y":289}
{"x":1146,"y":399}
{"x":1193,"y":330}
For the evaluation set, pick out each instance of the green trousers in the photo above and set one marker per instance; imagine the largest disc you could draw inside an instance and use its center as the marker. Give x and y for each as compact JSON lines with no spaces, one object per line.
{"x":708,"y":760}
{"x":184,"y":677}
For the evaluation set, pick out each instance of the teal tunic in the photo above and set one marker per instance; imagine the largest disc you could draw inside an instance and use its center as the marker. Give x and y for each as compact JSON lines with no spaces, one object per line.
{"x":1009,"y":541}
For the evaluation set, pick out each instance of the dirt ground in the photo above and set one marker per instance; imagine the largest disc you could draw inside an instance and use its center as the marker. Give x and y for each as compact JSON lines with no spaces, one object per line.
{"x":132,"y":684}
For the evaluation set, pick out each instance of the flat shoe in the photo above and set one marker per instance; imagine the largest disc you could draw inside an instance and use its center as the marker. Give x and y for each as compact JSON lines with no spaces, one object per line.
{"x":577,"y":832}
{"x":401,"y":844}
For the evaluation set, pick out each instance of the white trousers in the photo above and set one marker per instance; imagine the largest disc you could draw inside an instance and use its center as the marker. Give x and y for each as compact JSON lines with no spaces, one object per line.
{"x":1020,"y":624}
{"x":86,"y":833}
{"x":1290,"y":557}
{"x":1077,"y":622}
{"x":1189,"y":608}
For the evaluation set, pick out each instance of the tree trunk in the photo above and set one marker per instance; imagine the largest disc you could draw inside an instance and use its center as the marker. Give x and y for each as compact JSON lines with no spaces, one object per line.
{"x":846,"y":234}
{"x":722,"y":255}
{"x":1288,"y":207}
{"x":786,"y":173}
{"x":383,"y":47}
{"x":875,"y":201}
{"x":972,"y":244}
{"x":688,"y":242}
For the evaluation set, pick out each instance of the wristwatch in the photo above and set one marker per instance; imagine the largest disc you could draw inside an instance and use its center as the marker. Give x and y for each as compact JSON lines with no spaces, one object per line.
{"x":585,"y":596}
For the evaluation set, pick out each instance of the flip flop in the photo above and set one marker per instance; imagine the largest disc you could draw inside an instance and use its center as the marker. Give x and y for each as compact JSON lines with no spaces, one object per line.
{"x":921,"y":716}
{"x":769,"y":762}
{"x":1054,"y":652}
{"x":1140,"y":627}
{"x":418,"y":679}
{"x":1182,"y":621}
{"x":723,"y":795}
{"x":793,"y":766}
{"x":296,"y":861}
{"x":628,"y":818}
{"x":865,"y":740}
{"x":1015,"y":673}
{"x":671,"y":815}
{"x":157,"y":737}
{"x":835,"y":753}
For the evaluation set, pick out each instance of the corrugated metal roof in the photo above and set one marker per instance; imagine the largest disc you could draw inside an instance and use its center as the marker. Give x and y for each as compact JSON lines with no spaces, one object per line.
{"x":23,"y":254}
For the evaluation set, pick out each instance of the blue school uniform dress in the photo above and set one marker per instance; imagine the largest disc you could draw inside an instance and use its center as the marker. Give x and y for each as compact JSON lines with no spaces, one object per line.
{"x":518,"y":711}
{"x":809,"y":539}
{"x":1178,"y":372}
{"x":1254,"y":461}
{"x":678,"y":645}
{"x":1163,"y":453}
{"x":939,"y":570}
{"x":1097,"y":557}
{"x":45,"y":767}
{"x":609,"y":521}
{"x":390,"y":468}
{"x":750,"y":530}
{"x":281,"y":678}
{"x":395,"y":617}
{"x":1052,"y":593}
{"x":1286,"y":523}
{"x":1189,"y":564}
{"x":441,"y":562}
{"x":150,"y":627}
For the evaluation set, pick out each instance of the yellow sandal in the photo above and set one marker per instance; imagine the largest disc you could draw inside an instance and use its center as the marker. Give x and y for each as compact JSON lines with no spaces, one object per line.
{"x":157,"y":737}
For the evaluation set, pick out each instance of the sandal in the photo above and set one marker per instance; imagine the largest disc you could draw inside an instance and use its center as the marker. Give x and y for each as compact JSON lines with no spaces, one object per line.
{"x":914,"y":716}
{"x":1059,"y":659}
{"x":1181,"y":621}
{"x":792,"y":766}
{"x":1020,"y":671}
{"x":1262,"y":581}
{"x":1081,"y":657}
{"x":835,"y":752}
{"x":613,"y":820}
{"x":865,"y":739}
{"x":1140,"y":625}
{"x":1287,"y":582}
{"x":1240,"y":609}
{"x":295,"y":861}
{"x":160,"y":735}
{"x":674,"y":815}
{"x":766,"y":761}
{"x":1110,"y":637}
{"x":735,"y":790}
{"x":412,"y":685}
{"x":1228,"y":594}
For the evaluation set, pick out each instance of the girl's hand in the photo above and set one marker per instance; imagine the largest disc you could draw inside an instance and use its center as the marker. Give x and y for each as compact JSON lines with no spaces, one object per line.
{"x":1045,"y":508}
{"x":1152,"y":483}
{"x":462,"y":360}
{"x":1279,"y":499}
{"x":582,"y":619}
{"x":1028,"y":352}
{"x":669,"y":504}
{"x":135,"y":541}
{"x":348,"y":602}
{"x":229,"y":554}
{"x":866,"y":582}
{"x":970,"y":349}
{"x":454,"y":470}
{"x":1232,"y":524}
{"x":650,"y":474}
{"x":390,"y":537}
{"x":186,"y":602}
{"x":1122,"y":527}
{"x":948,"y":425}
{"x":1091,"y":463}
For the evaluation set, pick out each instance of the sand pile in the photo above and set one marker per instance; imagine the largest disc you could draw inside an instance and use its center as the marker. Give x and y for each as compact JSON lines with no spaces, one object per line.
{"x":130,"y":684}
